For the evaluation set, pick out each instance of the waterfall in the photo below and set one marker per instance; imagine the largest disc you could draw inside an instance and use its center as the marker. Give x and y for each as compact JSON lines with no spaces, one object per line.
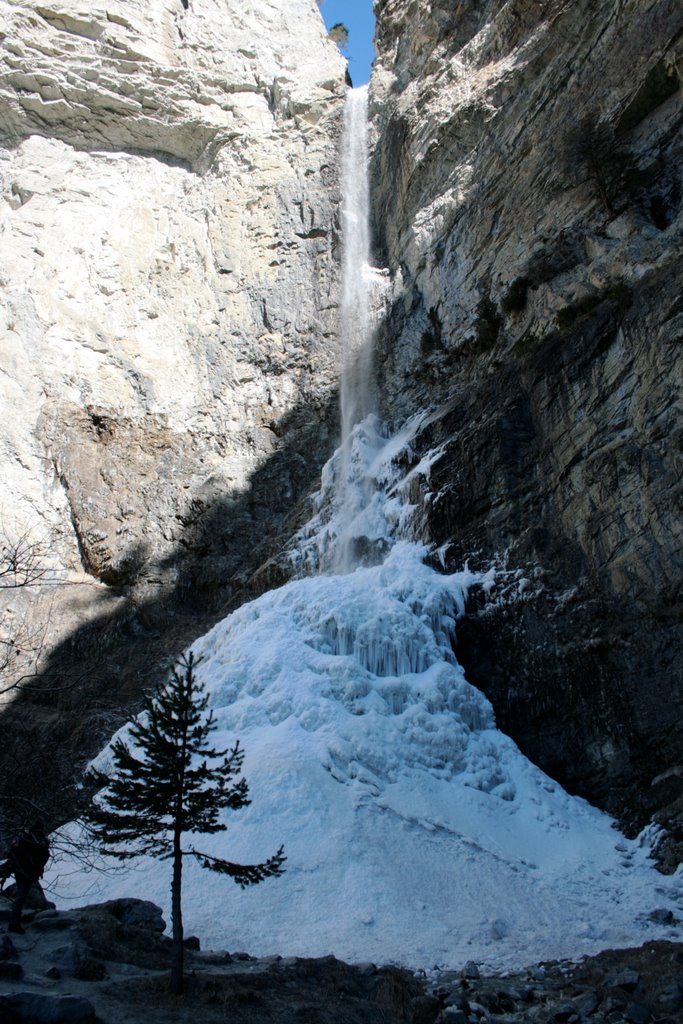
{"x":359,"y":304}
{"x":351,"y":525}
{"x":415,"y":831}
{"x":356,"y":319}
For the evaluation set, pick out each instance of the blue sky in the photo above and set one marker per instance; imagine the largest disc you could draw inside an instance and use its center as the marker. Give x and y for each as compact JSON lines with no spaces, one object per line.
{"x":358,"y":17}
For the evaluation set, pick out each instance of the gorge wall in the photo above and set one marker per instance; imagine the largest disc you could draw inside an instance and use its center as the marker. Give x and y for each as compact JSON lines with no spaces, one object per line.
{"x":169,"y":219}
{"x":168,"y":328}
{"x":527,"y":196}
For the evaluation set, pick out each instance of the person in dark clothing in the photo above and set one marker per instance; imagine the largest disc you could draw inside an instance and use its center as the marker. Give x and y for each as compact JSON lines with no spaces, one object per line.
{"x":28,"y":855}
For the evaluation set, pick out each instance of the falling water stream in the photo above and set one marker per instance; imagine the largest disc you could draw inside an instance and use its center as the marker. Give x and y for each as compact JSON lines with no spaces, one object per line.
{"x":356,"y":319}
{"x":361,"y":298}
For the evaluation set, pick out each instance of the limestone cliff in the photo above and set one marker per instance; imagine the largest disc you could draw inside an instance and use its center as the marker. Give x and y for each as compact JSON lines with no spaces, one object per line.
{"x":527,"y":193}
{"x":168,"y":209}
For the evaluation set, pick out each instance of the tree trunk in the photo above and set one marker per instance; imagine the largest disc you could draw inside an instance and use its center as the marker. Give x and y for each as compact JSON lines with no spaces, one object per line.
{"x":177,"y":918}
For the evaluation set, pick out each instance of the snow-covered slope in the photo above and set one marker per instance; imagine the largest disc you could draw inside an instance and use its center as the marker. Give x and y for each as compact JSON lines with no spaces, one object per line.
{"x":415,"y":831}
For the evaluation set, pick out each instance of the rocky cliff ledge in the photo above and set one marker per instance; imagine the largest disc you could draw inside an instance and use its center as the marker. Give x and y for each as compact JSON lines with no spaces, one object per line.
{"x":527,"y":192}
{"x":169,"y":218}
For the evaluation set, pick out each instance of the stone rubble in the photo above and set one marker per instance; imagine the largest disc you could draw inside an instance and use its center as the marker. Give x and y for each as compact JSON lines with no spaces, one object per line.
{"x":639,"y":986}
{"x":109,"y":962}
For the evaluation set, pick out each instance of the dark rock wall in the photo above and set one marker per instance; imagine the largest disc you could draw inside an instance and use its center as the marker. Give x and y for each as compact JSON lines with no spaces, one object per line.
{"x":527,"y":184}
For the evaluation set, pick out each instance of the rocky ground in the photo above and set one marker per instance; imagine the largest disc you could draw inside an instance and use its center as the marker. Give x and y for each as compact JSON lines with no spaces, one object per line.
{"x":109,"y":963}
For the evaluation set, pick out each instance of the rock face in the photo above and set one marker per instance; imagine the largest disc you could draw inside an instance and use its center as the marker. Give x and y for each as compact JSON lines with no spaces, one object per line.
{"x":169,"y":217}
{"x":527,"y":188}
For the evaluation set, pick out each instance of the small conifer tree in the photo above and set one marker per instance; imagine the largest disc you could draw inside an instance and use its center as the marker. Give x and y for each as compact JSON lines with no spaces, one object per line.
{"x":173,"y":784}
{"x":597,"y":158}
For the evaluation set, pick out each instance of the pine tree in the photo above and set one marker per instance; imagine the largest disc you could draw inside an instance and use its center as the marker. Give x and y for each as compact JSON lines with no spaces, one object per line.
{"x":171,"y":785}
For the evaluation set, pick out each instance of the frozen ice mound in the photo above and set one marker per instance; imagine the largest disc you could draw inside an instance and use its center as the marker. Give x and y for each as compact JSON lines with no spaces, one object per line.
{"x":415,"y":831}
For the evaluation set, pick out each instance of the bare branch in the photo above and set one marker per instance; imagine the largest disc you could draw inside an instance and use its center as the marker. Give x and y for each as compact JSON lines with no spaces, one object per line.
{"x":24,"y":643}
{"x":22,"y":562}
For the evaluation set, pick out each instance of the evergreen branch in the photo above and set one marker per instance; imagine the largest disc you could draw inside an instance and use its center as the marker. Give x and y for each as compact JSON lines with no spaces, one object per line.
{"x":242,"y":874}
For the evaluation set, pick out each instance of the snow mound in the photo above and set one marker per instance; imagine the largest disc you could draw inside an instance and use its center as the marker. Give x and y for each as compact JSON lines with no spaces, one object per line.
{"x":415,"y":831}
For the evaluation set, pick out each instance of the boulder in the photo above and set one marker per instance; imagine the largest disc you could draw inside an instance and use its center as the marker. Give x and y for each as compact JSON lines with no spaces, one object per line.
{"x":625,"y":978}
{"x":8,"y":950}
{"x":53,"y":920}
{"x":135,"y":913}
{"x":36,"y":899}
{"x":34,"y":1008}
{"x":10,"y":971}
{"x":74,"y":960}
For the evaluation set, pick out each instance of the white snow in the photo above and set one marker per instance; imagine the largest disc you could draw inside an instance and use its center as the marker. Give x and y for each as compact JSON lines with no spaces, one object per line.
{"x":415,"y":831}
